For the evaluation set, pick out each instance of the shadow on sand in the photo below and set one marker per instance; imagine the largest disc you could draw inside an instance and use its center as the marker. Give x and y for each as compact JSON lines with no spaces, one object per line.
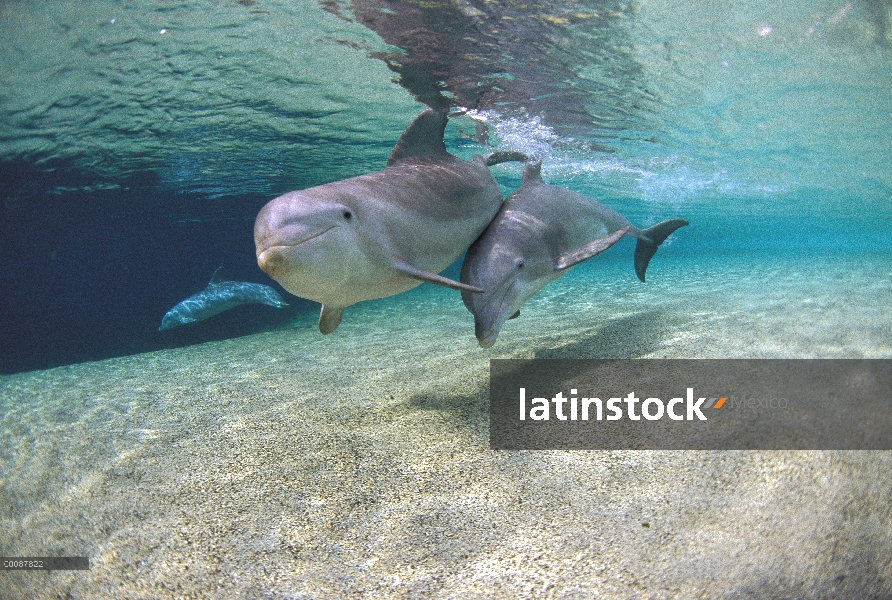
{"x":631,"y":336}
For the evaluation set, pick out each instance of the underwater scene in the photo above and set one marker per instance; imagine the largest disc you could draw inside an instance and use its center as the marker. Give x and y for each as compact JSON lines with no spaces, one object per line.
{"x":212,"y":387}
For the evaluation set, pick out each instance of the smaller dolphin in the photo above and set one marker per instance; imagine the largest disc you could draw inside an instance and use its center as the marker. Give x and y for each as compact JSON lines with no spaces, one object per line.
{"x":539,"y":234}
{"x":217,"y":297}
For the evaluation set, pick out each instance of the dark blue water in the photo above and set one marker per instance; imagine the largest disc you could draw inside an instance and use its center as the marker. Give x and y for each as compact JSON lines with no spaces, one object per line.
{"x":89,"y":274}
{"x":136,"y":150}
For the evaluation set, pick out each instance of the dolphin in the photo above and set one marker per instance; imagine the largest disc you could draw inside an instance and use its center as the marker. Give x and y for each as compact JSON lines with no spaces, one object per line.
{"x":217,"y":297}
{"x":539,"y":234}
{"x":382,"y":233}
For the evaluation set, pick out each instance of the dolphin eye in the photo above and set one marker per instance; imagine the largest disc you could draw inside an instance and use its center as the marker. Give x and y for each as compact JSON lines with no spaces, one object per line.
{"x":519,"y":263}
{"x":348,"y":215}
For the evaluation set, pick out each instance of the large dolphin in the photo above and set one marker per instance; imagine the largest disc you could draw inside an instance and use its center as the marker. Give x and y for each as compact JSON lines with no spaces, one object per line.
{"x":539,"y":234}
{"x":382,"y":233}
{"x":217,"y":297}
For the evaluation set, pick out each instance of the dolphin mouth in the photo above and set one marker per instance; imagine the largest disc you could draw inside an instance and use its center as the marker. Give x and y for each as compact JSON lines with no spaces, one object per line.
{"x":300,"y":241}
{"x":487,"y":337}
{"x":270,"y":259}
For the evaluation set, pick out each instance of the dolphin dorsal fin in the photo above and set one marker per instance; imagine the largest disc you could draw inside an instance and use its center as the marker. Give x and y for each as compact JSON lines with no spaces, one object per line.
{"x":422,"y":138}
{"x":215,"y":277}
{"x":532,"y":172}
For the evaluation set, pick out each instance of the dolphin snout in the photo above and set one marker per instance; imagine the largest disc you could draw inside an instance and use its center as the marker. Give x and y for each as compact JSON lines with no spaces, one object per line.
{"x":486,"y":336}
{"x":281,"y":223}
{"x":491,"y":312}
{"x":270,"y":260}
{"x":278,"y":229}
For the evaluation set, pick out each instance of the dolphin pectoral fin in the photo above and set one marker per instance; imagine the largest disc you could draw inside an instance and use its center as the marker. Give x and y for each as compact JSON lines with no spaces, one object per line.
{"x":414,"y":273}
{"x":514,"y":316}
{"x":586,"y":251}
{"x":650,"y":240}
{"x":329,"y":318}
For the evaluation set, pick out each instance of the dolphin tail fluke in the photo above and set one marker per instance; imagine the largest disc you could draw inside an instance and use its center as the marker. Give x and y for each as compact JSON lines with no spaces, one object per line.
{"x":649,"y":240}
{"x":330,"y":318}
{"x":497,"y":158}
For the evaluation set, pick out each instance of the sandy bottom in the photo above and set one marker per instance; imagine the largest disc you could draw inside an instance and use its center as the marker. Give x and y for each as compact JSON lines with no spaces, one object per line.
{"x":292,"y":465}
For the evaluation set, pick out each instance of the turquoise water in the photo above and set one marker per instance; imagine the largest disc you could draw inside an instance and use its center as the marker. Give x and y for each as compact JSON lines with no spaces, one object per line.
{"x":696,"y":102}
{"x":142,"y":138}
{"x":139,"y":139}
